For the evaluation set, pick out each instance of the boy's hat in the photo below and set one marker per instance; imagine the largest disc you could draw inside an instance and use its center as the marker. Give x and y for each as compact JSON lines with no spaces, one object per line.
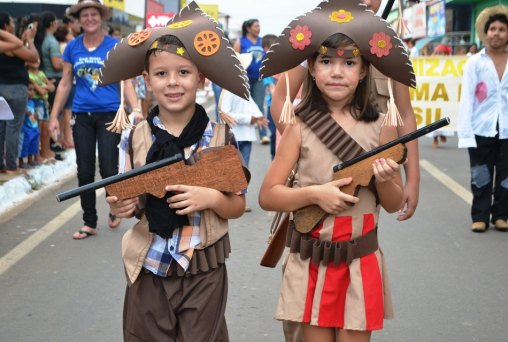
{"x":75,"y":9}
{"x":484,"y":16}
{"x":377,"y":41}
{"x":204,"y":42}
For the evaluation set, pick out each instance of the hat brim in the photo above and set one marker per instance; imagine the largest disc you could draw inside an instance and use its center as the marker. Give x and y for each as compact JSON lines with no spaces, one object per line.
{"x":484,"y":16}
{"x":75,"y":9}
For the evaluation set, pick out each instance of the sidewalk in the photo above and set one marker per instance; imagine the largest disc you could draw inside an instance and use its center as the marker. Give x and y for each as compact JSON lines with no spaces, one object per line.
{"x":18,"y":193}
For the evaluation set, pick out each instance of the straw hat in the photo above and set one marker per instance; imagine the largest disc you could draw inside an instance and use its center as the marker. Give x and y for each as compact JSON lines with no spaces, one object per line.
{"x":75,"y":9}
{"x":484,"y":16}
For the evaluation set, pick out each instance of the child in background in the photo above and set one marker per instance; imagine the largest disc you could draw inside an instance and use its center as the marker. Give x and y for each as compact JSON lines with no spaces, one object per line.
{"x":269,"y":84}
{"x":29,"y":134}
{"x":334,"y":295}
{"x":42,"y":87}
{"x":174,"y":257}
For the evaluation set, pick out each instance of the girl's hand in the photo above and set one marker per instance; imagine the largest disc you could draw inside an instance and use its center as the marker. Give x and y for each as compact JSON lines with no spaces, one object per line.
{"x":331,"y":199}
{"x":385,"y":170}
{"x":190,"y":199}
{"x":122,"y":208}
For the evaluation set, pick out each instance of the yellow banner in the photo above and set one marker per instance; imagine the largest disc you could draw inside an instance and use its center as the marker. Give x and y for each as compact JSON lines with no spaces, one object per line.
{"x":118,"y":4}
{"x":211,"y":10}
{"x":438,"y":89}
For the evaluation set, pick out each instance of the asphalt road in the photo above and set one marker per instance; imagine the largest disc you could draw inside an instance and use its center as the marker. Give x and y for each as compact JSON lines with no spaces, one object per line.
{"x":448,"y":284}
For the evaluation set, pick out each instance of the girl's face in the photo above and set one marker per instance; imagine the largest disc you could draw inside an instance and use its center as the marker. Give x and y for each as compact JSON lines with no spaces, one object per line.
{"x":90,"y":20}
{"x":10,"y":26}
{"x":338,"y":77}
{"x":174,"y":81}
{"x":255,"y":29}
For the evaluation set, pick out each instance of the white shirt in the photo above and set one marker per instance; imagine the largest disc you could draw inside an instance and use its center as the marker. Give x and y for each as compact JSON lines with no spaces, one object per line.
{"x":242,"y":111}
{"x":484,"y":101}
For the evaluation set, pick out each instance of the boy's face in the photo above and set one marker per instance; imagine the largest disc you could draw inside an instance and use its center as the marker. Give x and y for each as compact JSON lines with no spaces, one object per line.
{"x":497,"y":35}
{"x":174,"y":81}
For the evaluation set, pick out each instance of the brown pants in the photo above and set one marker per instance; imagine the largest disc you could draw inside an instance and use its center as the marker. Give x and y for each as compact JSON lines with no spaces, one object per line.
{"x":189,"y":308}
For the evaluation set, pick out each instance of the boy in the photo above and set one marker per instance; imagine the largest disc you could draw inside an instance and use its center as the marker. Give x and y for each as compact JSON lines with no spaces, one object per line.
{"x":29,"y":134}
{"x":174,"y":256}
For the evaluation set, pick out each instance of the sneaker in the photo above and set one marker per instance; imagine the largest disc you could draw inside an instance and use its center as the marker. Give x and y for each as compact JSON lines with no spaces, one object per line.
{"x":479,"y":227}
{"x":501,"y":225}
{"x":265,"y":140}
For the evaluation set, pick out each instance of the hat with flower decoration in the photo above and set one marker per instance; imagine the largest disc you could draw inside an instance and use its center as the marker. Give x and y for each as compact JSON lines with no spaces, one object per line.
{"x":204,"y":44}
{"x":484,"y":16}
{"x":377,"y":42}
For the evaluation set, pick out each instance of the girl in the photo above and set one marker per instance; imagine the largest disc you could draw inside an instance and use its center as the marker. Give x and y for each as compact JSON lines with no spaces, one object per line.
{"x":331,"y":295}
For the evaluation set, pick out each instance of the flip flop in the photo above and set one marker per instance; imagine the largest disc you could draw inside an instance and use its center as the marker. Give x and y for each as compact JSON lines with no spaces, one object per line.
{"x":113,"y":221}
{"x":82,"y":234}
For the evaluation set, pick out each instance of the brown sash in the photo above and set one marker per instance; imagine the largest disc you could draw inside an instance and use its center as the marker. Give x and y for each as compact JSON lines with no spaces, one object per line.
{"x":332,"y":135}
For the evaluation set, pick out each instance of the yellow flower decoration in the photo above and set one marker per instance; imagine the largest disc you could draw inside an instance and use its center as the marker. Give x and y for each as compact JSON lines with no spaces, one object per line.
{"x":154,"y":45}
{"x":180,"y":51}
{"x":341,"y":16}
{"x":323,"y":50}
{"x":356,"y":52}
{"x":180,"y":24}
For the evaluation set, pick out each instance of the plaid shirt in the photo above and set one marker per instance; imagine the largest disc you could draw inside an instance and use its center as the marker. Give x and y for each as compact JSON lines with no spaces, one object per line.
{"x":181,"y":246}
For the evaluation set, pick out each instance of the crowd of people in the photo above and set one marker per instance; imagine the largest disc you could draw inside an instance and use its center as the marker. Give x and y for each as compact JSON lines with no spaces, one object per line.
{"x":174,"y":256}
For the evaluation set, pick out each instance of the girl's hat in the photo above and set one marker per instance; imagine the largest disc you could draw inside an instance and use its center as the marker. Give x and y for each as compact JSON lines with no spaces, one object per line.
{"x":204,"y":42}
{"x":75,"y":9}
{"x":484,"y":16}
{"x":377,"y":42}
{"x":443,"y":48}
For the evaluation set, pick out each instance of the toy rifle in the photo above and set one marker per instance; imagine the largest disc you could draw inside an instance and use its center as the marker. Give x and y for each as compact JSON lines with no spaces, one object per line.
{"x":360,"y":169}
{"x":218,"y":168}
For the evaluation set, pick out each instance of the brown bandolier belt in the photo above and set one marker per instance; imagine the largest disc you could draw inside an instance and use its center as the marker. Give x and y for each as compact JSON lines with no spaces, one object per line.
{"x":329,"y":251}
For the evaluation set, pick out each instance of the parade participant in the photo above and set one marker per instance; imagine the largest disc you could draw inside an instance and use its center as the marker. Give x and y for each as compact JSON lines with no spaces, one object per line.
{"x":174,"y":257}
{"x":483,"y":121}
{"x":93,"y":106}
{"x":331,"y":295}
{"x":380,"y":95}
{"x":250,"y":42}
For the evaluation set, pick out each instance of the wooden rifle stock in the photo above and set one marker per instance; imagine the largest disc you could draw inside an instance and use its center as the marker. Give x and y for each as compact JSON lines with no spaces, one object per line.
{"x":217,"y":168}
{"x":360,"y":169}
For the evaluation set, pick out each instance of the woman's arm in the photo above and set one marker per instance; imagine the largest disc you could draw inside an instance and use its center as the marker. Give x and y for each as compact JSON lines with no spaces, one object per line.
{"x":412,"y":167}
{"x":27,"y":52}
{"x":237,"y":47}
{"x":62,"y":93}
{"x":9,"y":42}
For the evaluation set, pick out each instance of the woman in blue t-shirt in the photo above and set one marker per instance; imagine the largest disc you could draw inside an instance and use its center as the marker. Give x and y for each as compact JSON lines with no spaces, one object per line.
{"x":250,"y":42}
{"x":93,"y":106}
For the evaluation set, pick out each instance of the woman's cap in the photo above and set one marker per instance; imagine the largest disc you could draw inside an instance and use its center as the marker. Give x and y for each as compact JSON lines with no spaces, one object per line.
{"x":204,"y":44}
{"x":75,"y":9}
{"x":484,"y":16}
{"x":376,"y":40}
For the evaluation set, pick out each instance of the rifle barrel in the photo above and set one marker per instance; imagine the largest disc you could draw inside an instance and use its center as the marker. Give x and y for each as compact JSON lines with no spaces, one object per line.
{"x":117,"y":178}
{"x":402,"y":140}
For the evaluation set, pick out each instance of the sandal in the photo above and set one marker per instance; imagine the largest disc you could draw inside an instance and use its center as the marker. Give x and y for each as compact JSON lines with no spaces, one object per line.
{"x":82,"y":234}
{"x":113,"y":221}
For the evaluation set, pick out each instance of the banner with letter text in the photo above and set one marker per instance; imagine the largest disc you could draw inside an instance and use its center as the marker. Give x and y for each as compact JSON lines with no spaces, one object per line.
{"x":438,"y":89}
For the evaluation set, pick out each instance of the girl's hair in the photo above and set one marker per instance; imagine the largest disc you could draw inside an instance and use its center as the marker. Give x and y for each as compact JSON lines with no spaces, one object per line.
{"x":313,"y":100}
{"x":5,"y":19}
{"x":167,"y":39}
{"x":247,"y":24}
{"x":46,"y":18}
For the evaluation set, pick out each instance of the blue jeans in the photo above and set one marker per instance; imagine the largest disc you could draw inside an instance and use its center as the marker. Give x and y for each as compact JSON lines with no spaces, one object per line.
{"x":245,"y":148}
{"x":16,"y":96}
{"x":216,"y":94}
{"x":257,"y":91}
{"x":89,"y":131}
{"x":273,"y":132}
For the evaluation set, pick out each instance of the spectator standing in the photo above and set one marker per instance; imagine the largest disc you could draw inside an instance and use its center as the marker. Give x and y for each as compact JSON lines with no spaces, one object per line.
{"x":473,"y":49}
{"x":30,"y":134}
{"x":14,"y":88}
{"x":483,"y":120}
{"x":250,"y":42}
{"x":269,"y":85}
{"x":93,"y":106}
{"x":9,"y":41}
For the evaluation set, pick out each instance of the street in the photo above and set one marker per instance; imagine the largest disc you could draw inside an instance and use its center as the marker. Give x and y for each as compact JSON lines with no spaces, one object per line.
{"x":448,"y":284}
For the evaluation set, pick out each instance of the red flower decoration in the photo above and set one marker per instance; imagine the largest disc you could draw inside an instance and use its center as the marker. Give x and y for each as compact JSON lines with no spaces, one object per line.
{"x":300,"y":37}
{"x":380,"y":44}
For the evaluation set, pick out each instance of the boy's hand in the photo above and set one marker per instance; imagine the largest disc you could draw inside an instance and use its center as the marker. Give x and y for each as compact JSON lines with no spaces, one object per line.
{"x":331,"y":199}
{"x":261,"y":121}
{"x":190,"y":199}
{"x":122,"y":208}
{"x":384,"y":170}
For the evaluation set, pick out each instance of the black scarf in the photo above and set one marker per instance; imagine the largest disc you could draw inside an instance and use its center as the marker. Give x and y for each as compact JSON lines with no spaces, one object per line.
{"x":162,"y":219}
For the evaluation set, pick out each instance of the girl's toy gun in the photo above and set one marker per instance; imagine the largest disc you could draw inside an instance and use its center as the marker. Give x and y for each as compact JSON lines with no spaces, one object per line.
{"x":360,"y":169}
{"x":219,"y":168}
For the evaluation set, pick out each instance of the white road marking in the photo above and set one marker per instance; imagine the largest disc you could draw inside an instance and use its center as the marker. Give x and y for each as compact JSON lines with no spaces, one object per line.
{"x":25,"y":247}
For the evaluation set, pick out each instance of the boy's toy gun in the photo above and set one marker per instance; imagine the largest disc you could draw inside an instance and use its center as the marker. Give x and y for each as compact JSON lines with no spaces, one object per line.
{"x":218,"y":168}
{"x":360,"y":169}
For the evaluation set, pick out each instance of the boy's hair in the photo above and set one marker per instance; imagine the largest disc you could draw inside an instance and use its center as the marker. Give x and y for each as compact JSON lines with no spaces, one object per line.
{"x":313,"y":99}
{"x":161,"y":42}
{"x":61,"y":33}
{"x":268,"y":40}
{"x":496,"y":17}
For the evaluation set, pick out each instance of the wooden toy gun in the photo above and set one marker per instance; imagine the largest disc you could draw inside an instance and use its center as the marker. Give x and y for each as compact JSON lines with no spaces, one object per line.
{"x":360,"y":169}
{"x":218,"y":168}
